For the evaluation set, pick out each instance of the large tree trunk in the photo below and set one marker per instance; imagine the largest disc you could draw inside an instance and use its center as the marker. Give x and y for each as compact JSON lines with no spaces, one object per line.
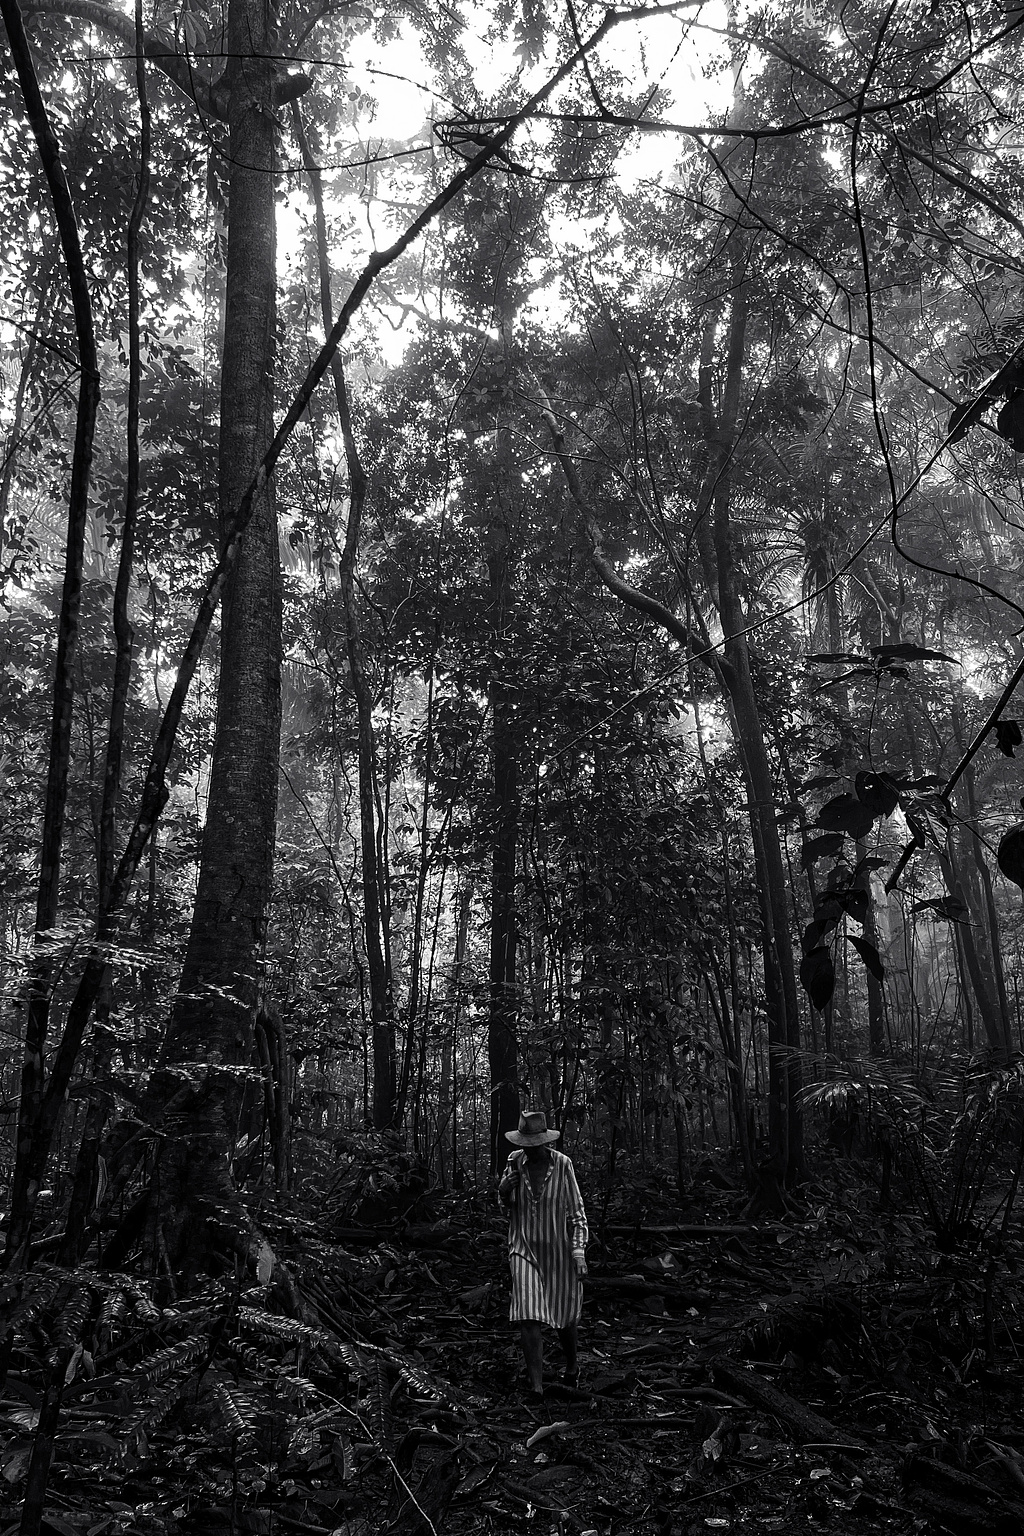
{"x":977,"y":938}
{"x":210,"y":1035}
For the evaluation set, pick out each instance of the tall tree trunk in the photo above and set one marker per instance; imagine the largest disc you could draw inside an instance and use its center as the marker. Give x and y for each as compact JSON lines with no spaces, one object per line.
{"x":993,"y":1020}
{"x":980,"y":881}
{"x":781,"y":997}
{"x":375,"y":931}
{"x":502,"y":1054}
{"x":31,"y":1149}
{"x":447,"y":1099}
{"x":88,"y":1162}
{"x":210,"y":1034}
{"x":981,"y":968}
{"x":375,"y":936}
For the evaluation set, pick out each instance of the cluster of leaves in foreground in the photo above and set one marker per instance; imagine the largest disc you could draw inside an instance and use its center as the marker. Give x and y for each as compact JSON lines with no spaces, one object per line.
{"x":209,"y":1414}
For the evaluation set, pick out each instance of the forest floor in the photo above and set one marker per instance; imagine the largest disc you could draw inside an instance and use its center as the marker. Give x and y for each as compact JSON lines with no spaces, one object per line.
{"x":829,"y":1372}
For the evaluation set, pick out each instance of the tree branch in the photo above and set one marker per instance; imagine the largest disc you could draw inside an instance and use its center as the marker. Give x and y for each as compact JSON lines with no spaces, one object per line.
{"x":157,"y":47}
{"x":988,"y":725}
{"x":615,"y":583}
{"x":210,"y":97}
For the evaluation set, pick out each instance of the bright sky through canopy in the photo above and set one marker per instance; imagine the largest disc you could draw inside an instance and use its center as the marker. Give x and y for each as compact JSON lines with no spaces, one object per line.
{"x":663,"y":54}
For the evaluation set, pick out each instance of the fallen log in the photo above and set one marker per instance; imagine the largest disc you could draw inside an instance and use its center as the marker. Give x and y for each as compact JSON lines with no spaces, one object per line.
{"x":804,"y":1422}
{"x":962,"y":1519}
{"x":926,"y":1476}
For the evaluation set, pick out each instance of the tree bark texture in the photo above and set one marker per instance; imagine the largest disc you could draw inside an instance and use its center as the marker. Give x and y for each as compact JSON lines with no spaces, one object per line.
{"x":210,"y":1036}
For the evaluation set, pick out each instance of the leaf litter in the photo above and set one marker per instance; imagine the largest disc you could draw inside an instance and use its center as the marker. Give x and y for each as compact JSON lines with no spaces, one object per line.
{"x":807,"y":1376}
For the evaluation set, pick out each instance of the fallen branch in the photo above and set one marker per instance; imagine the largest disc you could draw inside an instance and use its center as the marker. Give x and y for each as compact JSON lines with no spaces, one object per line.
{"x":949,"y":1490}
{"x":804,"y":1422}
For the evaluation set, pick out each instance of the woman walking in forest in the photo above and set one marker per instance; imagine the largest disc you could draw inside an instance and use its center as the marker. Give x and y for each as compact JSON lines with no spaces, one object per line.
{"x":547,"y":1239}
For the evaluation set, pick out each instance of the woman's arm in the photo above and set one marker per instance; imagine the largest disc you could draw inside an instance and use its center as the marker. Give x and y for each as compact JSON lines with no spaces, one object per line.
{"x":577,"y":1216}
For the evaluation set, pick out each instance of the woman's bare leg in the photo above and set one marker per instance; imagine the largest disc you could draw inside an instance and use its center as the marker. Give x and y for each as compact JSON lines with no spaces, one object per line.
{"x":569,"y":1340}
{"x":533,"y":1353}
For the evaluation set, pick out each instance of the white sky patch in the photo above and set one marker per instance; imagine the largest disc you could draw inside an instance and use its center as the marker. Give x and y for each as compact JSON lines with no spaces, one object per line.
{"x":396,"y":76}
{"x":667,"y":54}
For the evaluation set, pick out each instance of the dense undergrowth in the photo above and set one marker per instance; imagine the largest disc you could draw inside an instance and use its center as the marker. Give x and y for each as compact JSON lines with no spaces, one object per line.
{"x":837,"y":1371}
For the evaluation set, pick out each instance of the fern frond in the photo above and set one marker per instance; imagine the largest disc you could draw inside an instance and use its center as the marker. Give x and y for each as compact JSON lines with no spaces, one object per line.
{"x":164,"y":1363}
{"x":352,"y":1359}
{"x":249,"y":1356}
{"x":237,"y":1410}
{"x":269,"y":1327}
{"x":297,"y":1392}
{"x":421,"y":1381}
{"x":72,"y":1319}
{"x":380,"y":1422}
{"x":303,"y":1443}
{"x":43,"y":1290}
{"x":112,"y":1315}
{"x":140,"y":1301}
{"x":133,"y":1435}
{"x":161,"y":1403}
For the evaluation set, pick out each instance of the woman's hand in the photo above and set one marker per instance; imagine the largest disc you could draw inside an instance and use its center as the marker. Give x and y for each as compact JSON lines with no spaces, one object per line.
{"x":508,"y":1185}
{"x":580,"y":1260}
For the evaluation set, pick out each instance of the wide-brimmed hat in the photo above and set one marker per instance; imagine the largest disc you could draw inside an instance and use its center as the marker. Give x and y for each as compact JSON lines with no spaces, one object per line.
{"x":533,"y":1130}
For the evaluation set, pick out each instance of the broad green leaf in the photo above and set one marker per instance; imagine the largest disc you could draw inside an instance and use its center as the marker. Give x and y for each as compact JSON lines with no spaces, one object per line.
{"x":845,"y":813}
{"x":820,"y":848}
{"x":869,"y":954}
{"x":878,"y":792}
{"x":854,"y":902}
{"x":906,"y":651}
{"x":818,"y":976}
{"x":1008,"y":736}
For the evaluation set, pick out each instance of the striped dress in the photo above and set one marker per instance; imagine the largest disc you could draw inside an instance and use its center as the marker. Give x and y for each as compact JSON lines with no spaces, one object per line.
{"x":543,"y":1230}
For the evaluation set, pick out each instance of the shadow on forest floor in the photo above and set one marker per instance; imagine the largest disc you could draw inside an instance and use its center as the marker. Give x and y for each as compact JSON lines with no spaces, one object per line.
{"x":830,"y":1373}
